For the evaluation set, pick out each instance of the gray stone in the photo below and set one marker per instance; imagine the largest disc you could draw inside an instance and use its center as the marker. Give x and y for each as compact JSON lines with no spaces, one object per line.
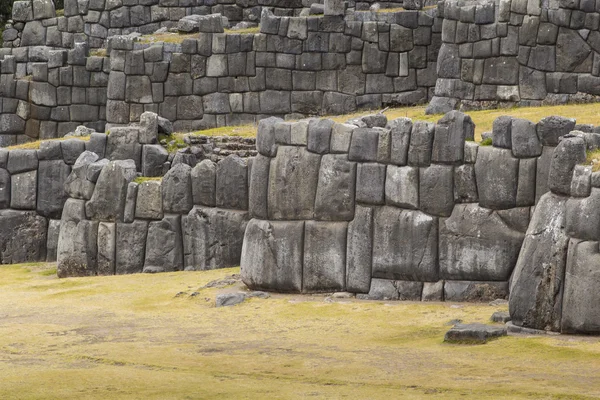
{"x":579,"y":314}
{"x":51,"y":196}
{"x":474,"y":333}
{"x":526,"y":185}
{"x":164,"y":245}
{"x":569,"y":152}
{"x":402,"y":186}
{"x":421,"y":142}
{"x":500,"y":317}
{"x":436,"y":189}
{"x":24,"y":191}
{"x":71,"y":150}
{"x":52,"y":240}
{"x":537,"y":281}
{"x":501,"y":132}
{"x":213,"y":238}
{"x":359,"y":251}
{"x":258,"y":190}
{"x":34,"y":34}
{"x":571,"y":50}
{"x":154,"y":157}
{"x":465,"y":184}
{"x":232,"y":183}
{"x":149,"y":200}
{"x":550,"y":129}
{"x":405,"y":245}
{"x":451,"y":131}
{"x":148,"y":128}
{"x":229,"y":299}
{"x":122,"y":144}
{"x":433,"y":291}
{"x":525,"y":142}
{"x":497,"y":176}
{"x":340,"y":137}
{"x":293,"y":179}
{"x":477,"y":244}
{"x":4,"y":189}
{"x":382,"y":289}
{"x":265,"y":136}
{"x":204,"y":183}
{"x":272,"y":255}
{"x":334,"y":199}
{"x":370,"y":183}
{"x":319,"y":135}
{"x":177,"y":190}
{"x":400,"y":130}
{"x":473,"y":291}
{"x":582,"y":181}
{"x":130,"y":247}
{"x":130,"y":202}
{"x":106,"y":248}
{"x":77,"y":250}
{"x":324,"y":264}
{"x":22,"y":237}
{"x":543,"y":171}
{"x":108,"y":201}
{"x":582,"y":217}
{"x":22,"y":161}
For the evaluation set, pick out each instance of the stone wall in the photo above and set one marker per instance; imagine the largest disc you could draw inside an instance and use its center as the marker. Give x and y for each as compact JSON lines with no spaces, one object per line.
{"x":398,"y":209}
{"x":295,"y":67}
{"x":35,"y":22}
{"x":522,"y":52}
{"x":47,"y":93}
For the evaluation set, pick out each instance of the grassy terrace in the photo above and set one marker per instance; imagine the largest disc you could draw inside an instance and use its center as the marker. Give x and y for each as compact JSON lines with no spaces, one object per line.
{"x":144,"y":336}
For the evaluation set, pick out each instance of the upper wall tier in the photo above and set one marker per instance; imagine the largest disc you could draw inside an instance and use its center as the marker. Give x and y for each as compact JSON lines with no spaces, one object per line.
{"x":523,"y":52}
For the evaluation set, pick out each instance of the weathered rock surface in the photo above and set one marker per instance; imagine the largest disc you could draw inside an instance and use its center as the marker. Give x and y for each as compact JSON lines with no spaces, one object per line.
{"x":474,"y":333}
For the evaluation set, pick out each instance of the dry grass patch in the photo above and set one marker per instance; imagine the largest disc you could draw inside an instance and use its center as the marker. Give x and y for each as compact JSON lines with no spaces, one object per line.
{"x":146,"y":337}
{"x":35,"y":145}
{"x":167,"y":37}
{"x":245,"y":31}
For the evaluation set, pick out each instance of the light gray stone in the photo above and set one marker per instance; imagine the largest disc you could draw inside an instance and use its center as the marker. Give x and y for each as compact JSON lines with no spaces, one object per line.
{"x":204,"y":177}
{"x":497,"y":176}
{"x":130,"y":247}
{"x":51,"y":195}
{"x":24,"y":191}
{"x":108,"y":201}
{"x":421,"y":142}
{"x":473,"y":291}
{"x":164,"y":245}
{"x":583,"y":217}
{"x":77,"y":251}
{"x":451,"y":131}
{"x":569,"y":152}
{"x":402,"y":186}
{"x":400,"y":130}
{"x":370,"y":183}
{"x":259,"y":187}
{"x":272,"y":255}
{"x":232,"y":183}
{"x":177,"y":190}
{"x":107,"y":236}
{"x":405,"y":245}
{"x":324,"y":267}
{"x":524,"y":139}
{"x":22,"y":237}
{"x":334,"y":199}
{"x":436,"y":189}
{"x":359,"y":251}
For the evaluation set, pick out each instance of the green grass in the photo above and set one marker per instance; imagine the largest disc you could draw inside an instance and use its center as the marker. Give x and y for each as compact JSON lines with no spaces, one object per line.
{"x":98,"y":53}
{"x":486,"y":142}
{"x":142,"y":179}
{"x":34,"y":145}
{"x":245,"y":31}
{"x":145,"y":342}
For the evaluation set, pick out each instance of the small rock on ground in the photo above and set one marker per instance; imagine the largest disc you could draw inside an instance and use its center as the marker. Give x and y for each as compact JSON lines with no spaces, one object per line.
{"x":474,"y":333}
{"x":500,"y":316}
{"x":229,"y":299}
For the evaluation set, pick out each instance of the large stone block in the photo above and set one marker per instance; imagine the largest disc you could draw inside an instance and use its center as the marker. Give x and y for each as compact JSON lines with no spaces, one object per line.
{"x":476,"y":244}
{"x":293,"y":180}
{"x":583,"y":217}
{"x":569,"y":152}
{"x":22,"y":237}
{"x":148,"y":204}
{"x":405,"y":245}
{"x":421,"y":142}
{"x":550,"y":129}
{"x":402,"y":186}
{"x":108,"y":201}
{"x":78,"y":185}
{"x":324,"y":268}
{"x":232,"y":183}
{"x":524,"y":139}
{"x":359,"y":251}
{"x":204,"y":176}
{"x":154,"y":157}
{"x":130,"y":247}
{"x":77,"y":252}
{"x":400,"y":129}
{"x":370,"y":183}
{"x":213,"y":238}
{"x":272,"y":255}
{"x":51,"y":195}
{"x":537,"y":281}
{"x":497,"y":177}
{"x":177,"y":189}
{"x":164,"y":245}
{"x":451,"y":131}
{"x":122,"y":144}
{"x":436,"y":189}
{"x":258,"y":190}
{"x":336,"y":187}
{"x":106,"y":248}
{"x":24,"y":191}
{"x":580,"y":313}
{"x":473,"y":291}
{"x":4,"y":189}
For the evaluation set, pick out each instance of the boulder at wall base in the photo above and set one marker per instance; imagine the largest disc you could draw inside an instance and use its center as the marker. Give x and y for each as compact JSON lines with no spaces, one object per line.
{"x":537,"y":281}
{"x":272,"y":255}
{"x":580,"y":311}
{"x":474,"y":333}
{"x":212,"y":238}
{"x":164,"y":251}
{"x":77,"y":242}
{"x":477,"y":244}
{"x":22,"y":237}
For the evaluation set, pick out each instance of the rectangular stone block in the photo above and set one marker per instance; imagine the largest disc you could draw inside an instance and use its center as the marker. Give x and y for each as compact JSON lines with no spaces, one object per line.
{"x":324,"y":267}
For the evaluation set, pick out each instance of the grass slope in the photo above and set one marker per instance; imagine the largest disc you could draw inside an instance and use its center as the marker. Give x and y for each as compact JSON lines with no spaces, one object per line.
{"x":132,"y":337}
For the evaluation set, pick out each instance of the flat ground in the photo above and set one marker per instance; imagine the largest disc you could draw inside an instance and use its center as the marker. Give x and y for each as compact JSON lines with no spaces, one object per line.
{"x":147,"y":337}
